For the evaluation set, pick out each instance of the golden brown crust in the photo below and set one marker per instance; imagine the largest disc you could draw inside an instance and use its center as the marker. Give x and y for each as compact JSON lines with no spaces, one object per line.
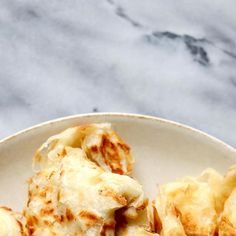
{"x":109,"y":192}
{"x":101,"y":144}
{"x":226,"y":228}
{"x":74,"y":196}
{"x":227,"y":223}
{"x":107,"y":228}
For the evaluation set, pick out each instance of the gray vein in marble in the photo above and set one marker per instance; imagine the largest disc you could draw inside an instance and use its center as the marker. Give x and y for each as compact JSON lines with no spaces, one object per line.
{"x":153,"y":57}
{"x":193,"y":45}
{"x":200,"y":54}
{"x":121,"y":13}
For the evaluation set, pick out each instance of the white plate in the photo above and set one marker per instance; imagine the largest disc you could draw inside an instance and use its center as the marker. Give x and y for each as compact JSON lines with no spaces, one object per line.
{"x":163,"y":150}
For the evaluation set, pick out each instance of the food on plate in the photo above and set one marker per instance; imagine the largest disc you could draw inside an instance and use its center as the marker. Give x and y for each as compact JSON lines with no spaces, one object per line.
{"x":75,"y":196}
{"x":100,"y":143}
{"x":166,"y":217}
{"x":135,"y":231}
{"x":139,"y":226}
{"x":221,"y":186}
{"x":11,"y":224}
{"x":227,"y":225}
{"x":194,"y":205}
{"x":186,"y":207}
{"x":82,"y":186}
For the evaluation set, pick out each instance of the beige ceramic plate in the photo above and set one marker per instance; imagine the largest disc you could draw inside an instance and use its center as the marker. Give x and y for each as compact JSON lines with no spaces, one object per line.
{"x":163,"y":150}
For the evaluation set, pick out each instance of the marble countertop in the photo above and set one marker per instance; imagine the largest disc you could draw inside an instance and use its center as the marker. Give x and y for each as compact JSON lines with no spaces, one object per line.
{"x":172,"y":59}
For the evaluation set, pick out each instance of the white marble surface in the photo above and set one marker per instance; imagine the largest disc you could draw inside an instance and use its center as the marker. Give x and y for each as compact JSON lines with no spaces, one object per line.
{"x":173,"y":59}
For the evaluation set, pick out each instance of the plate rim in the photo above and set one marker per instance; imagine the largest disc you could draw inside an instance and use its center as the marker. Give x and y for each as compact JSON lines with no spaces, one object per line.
{"x":127,"y":115}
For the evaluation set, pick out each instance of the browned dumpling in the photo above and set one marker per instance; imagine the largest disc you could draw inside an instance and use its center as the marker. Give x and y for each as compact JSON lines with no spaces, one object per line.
{"x":74,"y":196}
{"x":100,"y":143}
{"x":227,"y":225}
{"x":11,"y":224}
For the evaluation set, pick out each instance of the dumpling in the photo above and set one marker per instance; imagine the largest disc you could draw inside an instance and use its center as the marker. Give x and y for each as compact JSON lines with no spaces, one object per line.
{"x":74,"y":196}
{"x":227,"y":225}
{"x":166,"y":217}
{"x":193,"y":203}
{"x":100,"y":143}
{"x":11,"y":224}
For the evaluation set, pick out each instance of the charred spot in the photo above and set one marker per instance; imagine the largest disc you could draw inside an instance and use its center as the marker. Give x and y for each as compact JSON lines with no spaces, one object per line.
{"x":90,"y":217}
{"x":117,"y":170}
{"x":20,"y":226}
{"x":47,"y":222}
{"x":58,"y":195}
{"x":46,"y":211}
{"x":143,"y":205}
{"x":110,"y":154}
{"x":31,"y":222}
{"x":124,"y":147}
{"x":156,"y":226}
{"x":175,"y":211}
{"x":120,"y":218}
{"x":30,"y":231}
{"x":69,"y":215}
{"x":29,"y":194}
{"x":59,"y":218}
{"x":107,"y":227}
{"x":6,"y":208}
{"x":116,"y":197}
{"x":48,"y":202}
{"x":94,"y":148}
{"x":107,"y":145}
{"x":28,"y":202}
{"x":63,"y":152}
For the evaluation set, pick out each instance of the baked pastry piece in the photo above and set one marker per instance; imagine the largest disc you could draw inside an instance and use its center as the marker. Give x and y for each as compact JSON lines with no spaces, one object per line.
{"x":188,"y":202}
{"x":72,"y":195}
{"x":100,"y":143}
{"x":135,"y":231}
{"x":11,"y":224}
{"x":227,"y":224}
{"x":140,"y":226}
{"x":82,"y":188}
{"x":221,"y":186}
{"x":166,"y":217}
